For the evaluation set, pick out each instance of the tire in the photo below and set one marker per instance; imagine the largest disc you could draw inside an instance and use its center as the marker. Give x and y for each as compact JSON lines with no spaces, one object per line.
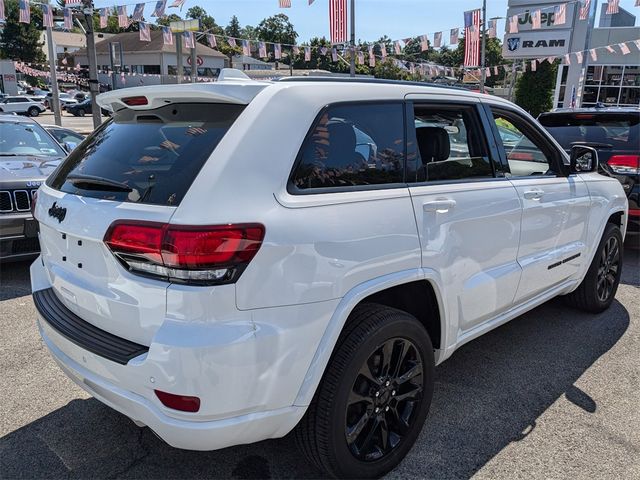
{"x":336,"y":408}
{"x":80,"y":112}
{"x":33,"y":111}
{"x":598,"y":288}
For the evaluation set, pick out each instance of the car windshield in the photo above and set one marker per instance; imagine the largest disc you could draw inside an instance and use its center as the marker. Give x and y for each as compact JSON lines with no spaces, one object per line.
{"x":618,"y":131}
{"x":18,"y":139}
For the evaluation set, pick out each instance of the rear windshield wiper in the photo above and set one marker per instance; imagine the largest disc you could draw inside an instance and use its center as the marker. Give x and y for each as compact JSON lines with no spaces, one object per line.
{"x":92,"y":182}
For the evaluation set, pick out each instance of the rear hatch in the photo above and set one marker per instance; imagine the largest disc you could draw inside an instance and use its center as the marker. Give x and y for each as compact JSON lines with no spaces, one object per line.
{"x":615,"y":134}
{"x":136,"y":167}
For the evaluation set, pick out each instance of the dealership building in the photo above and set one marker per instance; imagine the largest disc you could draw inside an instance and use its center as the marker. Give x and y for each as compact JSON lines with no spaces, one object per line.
{"x":613,"y":79}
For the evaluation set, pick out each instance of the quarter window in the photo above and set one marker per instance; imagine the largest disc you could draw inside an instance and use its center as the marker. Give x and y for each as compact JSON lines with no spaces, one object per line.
{"x":524,"y":151}
{"x":354,"y":145}
{"x":450,"y":144}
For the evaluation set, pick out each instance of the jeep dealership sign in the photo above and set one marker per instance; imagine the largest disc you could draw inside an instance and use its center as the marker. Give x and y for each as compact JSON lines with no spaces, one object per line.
{"x":550,"y":40}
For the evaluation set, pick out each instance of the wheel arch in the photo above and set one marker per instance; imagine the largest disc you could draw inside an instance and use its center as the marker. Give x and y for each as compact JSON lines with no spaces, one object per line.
{"x":392,"y":290}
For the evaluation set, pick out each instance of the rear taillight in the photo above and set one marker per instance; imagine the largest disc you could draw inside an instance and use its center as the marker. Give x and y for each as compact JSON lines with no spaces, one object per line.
{"x":625,"y":164}
{"x":203,"y":255}
{"x":135,"y":101}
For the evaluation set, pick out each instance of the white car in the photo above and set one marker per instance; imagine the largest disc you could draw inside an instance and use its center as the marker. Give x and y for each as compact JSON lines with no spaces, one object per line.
{"x":22,"y":105}
{"x":228,"y":262}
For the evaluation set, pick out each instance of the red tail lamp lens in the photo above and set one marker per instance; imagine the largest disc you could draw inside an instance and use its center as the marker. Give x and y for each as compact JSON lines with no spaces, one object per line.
{"x":183,"y":403}
{"x":135,"y":101}
{"x":625,"y":164}
{"x":140,"y":239}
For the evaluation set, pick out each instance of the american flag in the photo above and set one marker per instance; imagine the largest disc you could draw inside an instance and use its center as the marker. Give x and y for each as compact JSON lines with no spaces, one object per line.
{"x":334,"y":54}
{"x":360,"y":58}
{"x":189,"y":41}
{"x":560,"y":15}
{"x":104,"y":17}
{"x":338,"y":20}
{"x":453,"y":36}
{"x":594,"y":54}
{"x":493,"y":28}
{"x":372,"y":57}
{"x":536,"y":19}
{"x":277,"y":51}
{"x":383,"y":50}
{"x":158,"y":11}
{"x":296,"y":50}
{"x":584,"y":10}
{"x":246,"y":47}
{"x":424,"y":43}
{"x":613,"y":7}
{"x":3,"y":16}
{"x":177,"y":3}
{"x":167,"y":36}
{"x":138,"y":12}
{"x":307,"y":54}
{"x":145,"y":32}
{"x":25,"y":12}
{"x":123,"y":19}
{"x":397,"y":48}
{"x":472,"y":38}
{"x":513,"y":24}
{"x":262,"y":50}
{"x":284,"y":3}
{"x":68,"y":18}
{"x":47,"y":15}
{"x":437,"y":39}
{"x":211,"y":40}
{"x":624,"y":49}
{"x":232,"y":42}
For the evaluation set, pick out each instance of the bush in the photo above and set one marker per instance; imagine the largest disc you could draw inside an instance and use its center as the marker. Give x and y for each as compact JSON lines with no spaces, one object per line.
{"x":534,"y":90}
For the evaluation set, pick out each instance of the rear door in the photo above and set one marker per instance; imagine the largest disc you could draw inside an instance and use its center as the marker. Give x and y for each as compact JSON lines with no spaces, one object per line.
{"x":555,"y":205}
{"x":137,"y":166}
{"x":468,"y":213}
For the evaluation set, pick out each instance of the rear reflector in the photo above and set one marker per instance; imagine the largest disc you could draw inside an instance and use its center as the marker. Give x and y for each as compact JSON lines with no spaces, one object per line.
{"x":625,"y":164}
{"x":178,"y":402}
{"x":186,"y":254}
{"x":135,"y":101}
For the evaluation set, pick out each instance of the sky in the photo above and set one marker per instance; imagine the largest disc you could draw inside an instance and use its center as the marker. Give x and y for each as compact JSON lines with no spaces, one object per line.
{"x":396,"y":18}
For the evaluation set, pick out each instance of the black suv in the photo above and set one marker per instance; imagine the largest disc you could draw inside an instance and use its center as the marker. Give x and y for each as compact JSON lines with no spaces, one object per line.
{"x":615,"y":134}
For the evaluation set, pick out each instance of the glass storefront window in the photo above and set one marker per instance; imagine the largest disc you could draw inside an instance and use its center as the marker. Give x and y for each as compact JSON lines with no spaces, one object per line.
{"x":590,"y":95}
{"x":630,"y":96}
{"x":612,"y":75}
{"x":609,"y":95}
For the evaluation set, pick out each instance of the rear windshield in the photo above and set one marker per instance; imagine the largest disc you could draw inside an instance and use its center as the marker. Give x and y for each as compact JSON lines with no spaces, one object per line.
{"x":615,"y":131}
{"x":149,"y":156}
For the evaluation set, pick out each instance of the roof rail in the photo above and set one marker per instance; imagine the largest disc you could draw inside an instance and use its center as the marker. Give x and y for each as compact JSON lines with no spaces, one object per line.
{"x":365,"y":80}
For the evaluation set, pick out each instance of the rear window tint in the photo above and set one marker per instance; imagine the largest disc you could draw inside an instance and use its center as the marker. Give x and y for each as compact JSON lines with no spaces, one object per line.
{"x":146,"y":156}
{"x":355,"y":145}
{"x":618,"y":131}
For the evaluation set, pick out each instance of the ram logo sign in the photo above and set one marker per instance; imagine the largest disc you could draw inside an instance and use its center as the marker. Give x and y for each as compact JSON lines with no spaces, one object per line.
{"x":536,"y":44}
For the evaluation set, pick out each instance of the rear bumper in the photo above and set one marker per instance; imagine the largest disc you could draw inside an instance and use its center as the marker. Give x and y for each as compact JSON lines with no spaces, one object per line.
{"x":247,"y":370}
{"x":179,"y":433}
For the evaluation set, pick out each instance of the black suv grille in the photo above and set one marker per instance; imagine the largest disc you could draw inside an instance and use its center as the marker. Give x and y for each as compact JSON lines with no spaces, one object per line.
{"x":16,"y":200}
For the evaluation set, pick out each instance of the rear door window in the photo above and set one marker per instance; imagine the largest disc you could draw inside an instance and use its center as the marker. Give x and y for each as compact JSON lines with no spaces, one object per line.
{"x":353,"y":146}
{"x":146,"y":156}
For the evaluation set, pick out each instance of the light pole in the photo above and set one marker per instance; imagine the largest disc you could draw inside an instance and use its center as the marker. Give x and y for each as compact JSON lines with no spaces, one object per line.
{"x":55,"y":98}
{"x":352,"y":66}
{"x":483,"y":54}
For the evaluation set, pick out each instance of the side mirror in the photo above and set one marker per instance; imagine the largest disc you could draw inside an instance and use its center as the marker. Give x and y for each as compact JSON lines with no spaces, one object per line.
{"x":583,"y":159}
{"x":69,"y":146}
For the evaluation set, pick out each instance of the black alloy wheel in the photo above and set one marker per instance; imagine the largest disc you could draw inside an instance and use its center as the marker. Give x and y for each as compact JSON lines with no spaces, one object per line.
{"x":382,"y":402}
{"x":608,"y":268}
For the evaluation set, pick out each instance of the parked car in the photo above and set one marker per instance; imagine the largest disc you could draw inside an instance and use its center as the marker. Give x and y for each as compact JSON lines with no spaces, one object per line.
{"x":22,"y":105}
{"x":615,"y":134}
{"x":223,"y":288}
{"x":65,"y":100}
{"x":27,"y":155}
{"x":66,"y":137}
{"x":83,"y":108}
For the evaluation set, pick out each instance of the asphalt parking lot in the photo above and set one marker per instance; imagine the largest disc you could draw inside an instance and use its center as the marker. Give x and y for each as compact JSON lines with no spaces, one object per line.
{"x":553,"y":394}
{"x":83,"y":125}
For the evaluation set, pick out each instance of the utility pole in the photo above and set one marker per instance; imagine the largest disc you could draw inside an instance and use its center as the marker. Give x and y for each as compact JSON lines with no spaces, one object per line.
{"x":483,"y":54}
{"x":55,"y":97}
{"x":194,"y":65}
{"x":352,"y":67}
{"x":179,"y":70}
{"x":94,"y":85}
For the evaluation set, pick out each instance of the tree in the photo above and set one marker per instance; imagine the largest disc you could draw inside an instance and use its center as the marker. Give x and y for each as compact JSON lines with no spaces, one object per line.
{"x":534,"y":90}
{"x":233,"y":29}
{"x":276,"y":29}
{"x":389,"y":69}
{"x":21,"y":41}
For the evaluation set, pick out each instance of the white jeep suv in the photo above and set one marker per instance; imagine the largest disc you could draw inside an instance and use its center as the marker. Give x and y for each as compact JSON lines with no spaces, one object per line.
{"x":228,"y":262}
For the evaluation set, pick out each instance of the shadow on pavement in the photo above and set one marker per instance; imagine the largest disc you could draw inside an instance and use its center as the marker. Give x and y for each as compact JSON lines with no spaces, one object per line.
{"x":14,"y":280}
{"x":489,"y":394}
